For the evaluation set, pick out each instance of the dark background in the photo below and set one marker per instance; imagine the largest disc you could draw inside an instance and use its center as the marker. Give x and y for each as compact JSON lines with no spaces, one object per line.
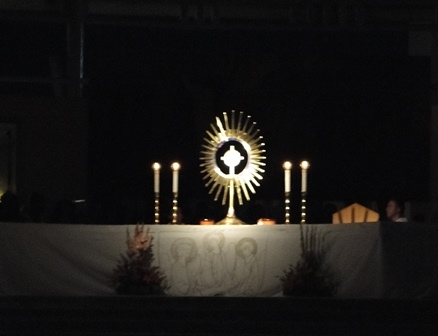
{"x":354,"y":104}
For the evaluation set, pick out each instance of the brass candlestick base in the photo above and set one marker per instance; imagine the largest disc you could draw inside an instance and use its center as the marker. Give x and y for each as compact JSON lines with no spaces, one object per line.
{"x":175,"y":209}
{"x":157,"y":208}
{"x":303,"y":207}
{"x":287,"y":207}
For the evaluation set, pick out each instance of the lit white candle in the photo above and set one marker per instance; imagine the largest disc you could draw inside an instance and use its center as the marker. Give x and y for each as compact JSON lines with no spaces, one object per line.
{"x":287,"y":168}
{"x":175,"y":167}
{"x":304,"y":166}
{"x":156,"y":167}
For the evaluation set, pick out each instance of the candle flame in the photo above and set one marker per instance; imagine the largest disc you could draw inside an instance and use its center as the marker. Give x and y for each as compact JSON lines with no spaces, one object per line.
{"x":156,"y":166}
{"x":287,"y":165}
{"x":304,"y":165}
{"x":176,"y":166}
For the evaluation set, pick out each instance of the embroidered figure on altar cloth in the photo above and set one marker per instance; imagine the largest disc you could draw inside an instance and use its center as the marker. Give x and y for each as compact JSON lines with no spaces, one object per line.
{"x":184,"y":268}
{"x":247,"y":270}
{"x":213,"y":272}
{"x":210,"y":265}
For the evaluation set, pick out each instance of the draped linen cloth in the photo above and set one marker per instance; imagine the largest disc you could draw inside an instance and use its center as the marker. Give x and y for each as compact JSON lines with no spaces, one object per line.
{"x":241,"y":260}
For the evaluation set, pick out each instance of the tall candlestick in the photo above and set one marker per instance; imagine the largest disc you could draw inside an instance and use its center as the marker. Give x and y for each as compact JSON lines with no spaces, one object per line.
{"x":175,"y":167}
{"x":287,"y":165}
{"x":175,"y":208}
{"x":304,"y":166}
{"x":157,"y":208}
{"x":156,"y":167}
{"x":303,"y":207}
{"x":286,"y":208}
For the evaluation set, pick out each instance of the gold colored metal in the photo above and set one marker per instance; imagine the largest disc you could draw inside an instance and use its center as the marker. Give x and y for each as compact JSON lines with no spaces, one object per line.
{"x":287,"y":207}
{"x":304,"y":167}
{"x":175,"y":208}
{"x":303,"y":207}
{"x":156,"y":167}
{"x":232,"y":161}
{"x":157,"y":208}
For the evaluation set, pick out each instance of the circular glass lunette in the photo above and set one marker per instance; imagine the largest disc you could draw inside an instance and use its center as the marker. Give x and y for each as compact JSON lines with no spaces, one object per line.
{"x":240,"y":146}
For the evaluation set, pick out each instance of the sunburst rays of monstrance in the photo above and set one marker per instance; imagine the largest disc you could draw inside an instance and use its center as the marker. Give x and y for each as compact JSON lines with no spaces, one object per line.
{"x":232,"y":160}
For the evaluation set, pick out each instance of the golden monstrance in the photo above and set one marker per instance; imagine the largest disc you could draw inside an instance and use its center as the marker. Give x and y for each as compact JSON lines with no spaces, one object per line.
{"x":232,"y":159}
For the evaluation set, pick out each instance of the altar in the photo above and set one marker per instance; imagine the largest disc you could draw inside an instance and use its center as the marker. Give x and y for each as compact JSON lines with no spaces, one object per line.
{"x":368,"y":260}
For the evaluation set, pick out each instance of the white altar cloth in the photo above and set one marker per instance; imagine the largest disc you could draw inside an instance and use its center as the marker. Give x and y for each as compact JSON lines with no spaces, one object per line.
{"x":243,"y":260}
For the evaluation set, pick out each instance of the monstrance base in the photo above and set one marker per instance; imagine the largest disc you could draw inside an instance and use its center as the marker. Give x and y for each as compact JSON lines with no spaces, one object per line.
{"x":230,"y":220}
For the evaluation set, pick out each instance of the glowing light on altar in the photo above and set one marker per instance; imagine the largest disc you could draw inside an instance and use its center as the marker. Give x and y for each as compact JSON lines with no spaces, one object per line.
{"x":266,"y":221}
{"x":206,"y":221}
{"x":156,"y":167}
{"x":304,"y":166}
{"x":287,"y":165}
{"x":175,"y":167}
{"x":232,"y":159}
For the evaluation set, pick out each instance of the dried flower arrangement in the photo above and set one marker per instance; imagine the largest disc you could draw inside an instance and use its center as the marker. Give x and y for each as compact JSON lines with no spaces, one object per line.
{"x":134,"y":274}
{"x":310,"y":276}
